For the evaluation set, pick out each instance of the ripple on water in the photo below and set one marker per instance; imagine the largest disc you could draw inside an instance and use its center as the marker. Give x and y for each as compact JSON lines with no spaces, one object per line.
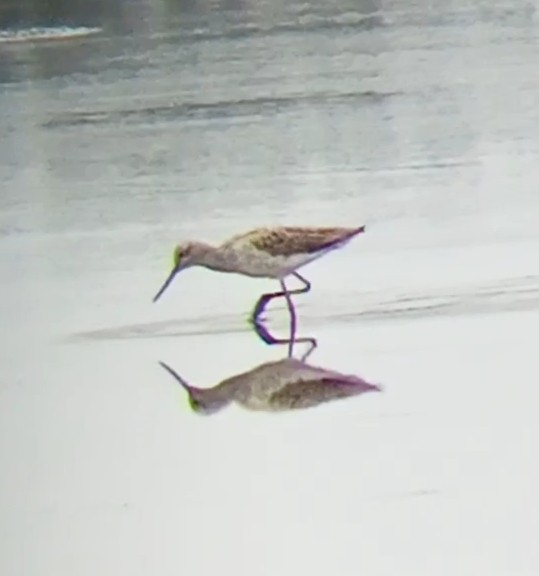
{"x":510,"y":295}
{"x":44,"y":34}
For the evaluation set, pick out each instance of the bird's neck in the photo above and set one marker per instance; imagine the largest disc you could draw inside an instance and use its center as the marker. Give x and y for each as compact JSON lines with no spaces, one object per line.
{"x":217,"y":398}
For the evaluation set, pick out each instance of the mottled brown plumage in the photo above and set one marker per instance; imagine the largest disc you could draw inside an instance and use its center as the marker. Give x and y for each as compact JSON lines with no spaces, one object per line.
{"x":263,"y":253}
{"x":304,"y":394}
{"x":292,"y":240}
{"x":287,"y":384}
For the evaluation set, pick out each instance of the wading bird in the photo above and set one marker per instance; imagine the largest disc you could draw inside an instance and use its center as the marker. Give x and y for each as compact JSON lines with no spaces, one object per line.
{"x":263,"y":253}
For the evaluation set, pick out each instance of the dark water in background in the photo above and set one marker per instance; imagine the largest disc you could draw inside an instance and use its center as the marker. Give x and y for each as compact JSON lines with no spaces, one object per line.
{"x":204,"y":119}
{"x":133,"y":125}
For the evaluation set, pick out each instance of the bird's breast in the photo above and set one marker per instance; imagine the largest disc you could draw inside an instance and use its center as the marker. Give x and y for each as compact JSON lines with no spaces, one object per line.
{"x":262,"y":264}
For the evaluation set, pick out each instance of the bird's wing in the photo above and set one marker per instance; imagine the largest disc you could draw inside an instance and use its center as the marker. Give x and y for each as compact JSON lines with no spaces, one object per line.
{"x":288,"y":240}
{"x":242,"y":239}
{"x":304,"y":393}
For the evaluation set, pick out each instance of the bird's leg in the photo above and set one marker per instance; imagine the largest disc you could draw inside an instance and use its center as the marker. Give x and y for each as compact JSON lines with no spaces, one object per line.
{"x":306,"y":284}
{"x":262,"y":302}
{"x":264,"y":334}
{"x":293,"y":319}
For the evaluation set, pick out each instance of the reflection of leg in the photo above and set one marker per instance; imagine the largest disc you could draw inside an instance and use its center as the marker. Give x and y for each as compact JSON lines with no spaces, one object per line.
{"x":293,"y":320}
{"x":312,"y":346}
{"x":311,"y":341}
{"x":262,"y":302}
{"x":264,"y":334}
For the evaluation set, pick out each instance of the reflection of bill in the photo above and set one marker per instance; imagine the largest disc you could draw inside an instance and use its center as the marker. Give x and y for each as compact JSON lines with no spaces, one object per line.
{"x":281,"y":385}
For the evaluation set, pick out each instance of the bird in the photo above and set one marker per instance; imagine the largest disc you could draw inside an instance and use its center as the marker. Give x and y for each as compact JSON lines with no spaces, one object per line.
{"x":264,"y":253}
{"x":282,"y":385}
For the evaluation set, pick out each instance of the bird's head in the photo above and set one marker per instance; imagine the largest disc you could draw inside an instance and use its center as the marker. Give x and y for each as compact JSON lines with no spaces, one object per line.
{"x":184,"y":255}
{"x":202,"y":401}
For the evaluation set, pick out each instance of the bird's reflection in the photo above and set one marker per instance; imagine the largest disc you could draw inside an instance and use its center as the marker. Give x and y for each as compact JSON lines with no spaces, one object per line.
{"x":281,"y":385}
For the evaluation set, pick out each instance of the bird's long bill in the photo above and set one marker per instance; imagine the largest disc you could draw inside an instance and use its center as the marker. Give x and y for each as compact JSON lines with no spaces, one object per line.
{"x":175,"y":375}
{"x":166,"y":283}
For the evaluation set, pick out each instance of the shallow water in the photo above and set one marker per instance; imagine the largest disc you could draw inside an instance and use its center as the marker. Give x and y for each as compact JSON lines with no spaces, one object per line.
{"x":177,"y":121}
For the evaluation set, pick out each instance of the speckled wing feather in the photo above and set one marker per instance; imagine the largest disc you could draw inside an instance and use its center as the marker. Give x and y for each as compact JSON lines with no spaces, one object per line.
{"x":308,"y":393}
{"x":289,"y":240}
